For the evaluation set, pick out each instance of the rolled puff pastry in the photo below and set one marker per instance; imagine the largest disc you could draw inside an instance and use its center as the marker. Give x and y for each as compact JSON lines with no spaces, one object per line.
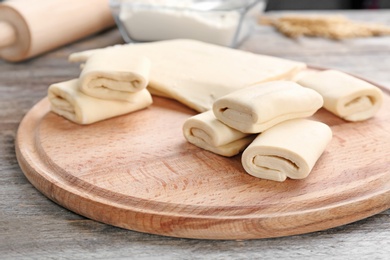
{"x":256,"y":108}
{"x":205,"y":131}
{"x":344,"y":95}
{"x":289,"y":149}
{"x":116,"y":75}
{"x":66,"y":100}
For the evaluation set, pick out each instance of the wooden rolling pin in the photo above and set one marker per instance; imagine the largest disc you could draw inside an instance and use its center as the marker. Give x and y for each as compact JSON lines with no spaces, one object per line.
{"x":29,"y":28}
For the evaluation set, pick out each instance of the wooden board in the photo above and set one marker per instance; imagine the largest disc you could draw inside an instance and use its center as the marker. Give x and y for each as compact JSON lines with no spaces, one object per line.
{"x":138,"y":172}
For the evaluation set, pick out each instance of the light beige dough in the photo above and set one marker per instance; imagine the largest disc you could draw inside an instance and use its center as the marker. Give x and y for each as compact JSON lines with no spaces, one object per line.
{"x":114,"y":75}
{"x":205,"y":131}
{"x":66,"y":100}
{"x":344,"y":95}
{"x":289,"y":149}
{"x":197,"y":73}
{"x":256,"y":108}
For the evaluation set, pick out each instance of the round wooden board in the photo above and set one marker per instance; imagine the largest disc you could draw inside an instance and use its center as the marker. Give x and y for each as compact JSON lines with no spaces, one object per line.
{"x":138,"y":172}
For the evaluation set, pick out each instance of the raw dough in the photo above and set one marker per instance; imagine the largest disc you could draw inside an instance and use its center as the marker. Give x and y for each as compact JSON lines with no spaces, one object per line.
{"x":289,"y":149}
{"x":67,"y":101}
{"x":197,"y":73}
{"x":344,"y":95}
{"x":205,"y":131}
{"x":114,"y":75}
{"x":256,"y":108}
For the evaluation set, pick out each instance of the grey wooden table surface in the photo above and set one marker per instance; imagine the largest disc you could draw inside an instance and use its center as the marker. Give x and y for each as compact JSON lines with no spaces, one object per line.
{"x":33,"y":227}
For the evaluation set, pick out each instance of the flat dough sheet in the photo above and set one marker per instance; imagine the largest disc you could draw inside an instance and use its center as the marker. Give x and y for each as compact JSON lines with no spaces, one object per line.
{"x":196,"y":73}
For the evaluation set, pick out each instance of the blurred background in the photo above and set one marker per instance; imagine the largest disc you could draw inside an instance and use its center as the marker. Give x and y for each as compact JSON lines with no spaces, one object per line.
{"x":329,"y":4}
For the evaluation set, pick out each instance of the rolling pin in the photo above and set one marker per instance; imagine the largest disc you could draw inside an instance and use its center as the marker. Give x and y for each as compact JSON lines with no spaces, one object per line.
{"x":29,"y":28}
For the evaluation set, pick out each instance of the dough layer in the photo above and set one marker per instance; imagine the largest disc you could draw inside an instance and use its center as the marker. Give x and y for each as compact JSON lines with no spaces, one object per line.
{"x":205,"y":131}
{"x":256,"y":108}
{"x":344,"y":95}
{"x":114,"y":75}
{"x":289,"y":149}
{"x":197,"y":73}
{"x":66,"y":100}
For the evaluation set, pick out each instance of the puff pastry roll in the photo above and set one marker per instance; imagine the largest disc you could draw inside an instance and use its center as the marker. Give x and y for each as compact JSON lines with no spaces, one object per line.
{"x":344,"y":95}
{"x":205,"y":131}
{"x":114,"y":75}
{"x":256,"y":108}
{"x":66,"y":100}
{"x":289,"y":149}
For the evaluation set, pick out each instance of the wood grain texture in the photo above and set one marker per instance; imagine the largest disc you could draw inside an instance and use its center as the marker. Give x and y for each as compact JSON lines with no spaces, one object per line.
{"x":33,"y":227}
{"x":138,"y":172}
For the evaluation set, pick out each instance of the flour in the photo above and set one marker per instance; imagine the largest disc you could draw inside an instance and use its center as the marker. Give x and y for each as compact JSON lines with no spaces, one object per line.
{"x":187,"y":21}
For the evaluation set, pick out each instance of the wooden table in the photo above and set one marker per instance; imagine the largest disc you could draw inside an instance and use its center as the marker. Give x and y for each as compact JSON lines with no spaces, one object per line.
{"x":31,"y":226}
